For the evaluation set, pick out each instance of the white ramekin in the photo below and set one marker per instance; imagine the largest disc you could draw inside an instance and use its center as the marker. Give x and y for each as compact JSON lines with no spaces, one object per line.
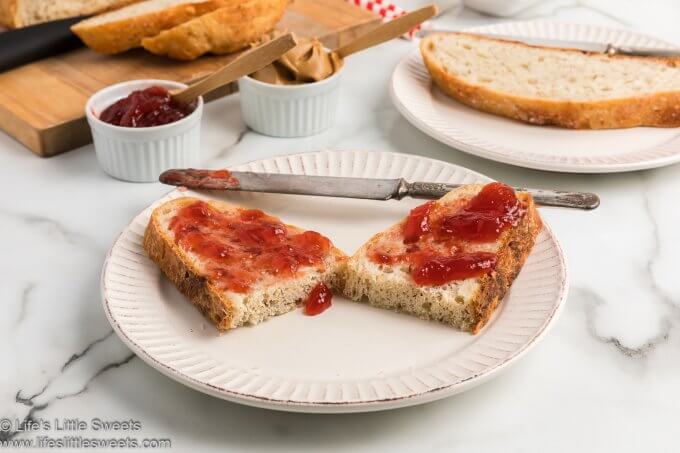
{"x":289,"y":110}
{"x":142,"y":154}
{"x":500,"y":8}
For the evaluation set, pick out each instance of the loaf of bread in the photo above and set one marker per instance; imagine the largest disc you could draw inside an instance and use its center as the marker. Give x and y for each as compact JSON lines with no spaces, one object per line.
{"x":236,"y":265}
{"x":123,"y":29}
{"x":222,"y":31}
{"x":391,"y":272}
{"x":22,"y":13}
{"x":561,"y":87}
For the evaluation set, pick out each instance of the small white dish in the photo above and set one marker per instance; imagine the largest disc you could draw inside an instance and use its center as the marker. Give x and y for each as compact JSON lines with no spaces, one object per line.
{"x":142,"y":154}
{"x":501,"y":8}
{"x":540,"y":147}
{"x":353,"y":357}
{"x":289,"y":110}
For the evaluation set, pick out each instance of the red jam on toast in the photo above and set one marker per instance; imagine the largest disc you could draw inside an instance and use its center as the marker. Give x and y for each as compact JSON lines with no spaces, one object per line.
{"x":243,"y":246}
{"x":441,"y":244}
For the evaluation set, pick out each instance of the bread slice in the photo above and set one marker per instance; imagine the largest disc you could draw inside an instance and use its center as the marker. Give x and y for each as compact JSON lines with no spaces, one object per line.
{"x":268,"y":295}
{"x":561,"y":87}
{"x":22,"y":13}
{"x":222,"y":31}
{"x":124,"y":29}
{"x":466,"y":304}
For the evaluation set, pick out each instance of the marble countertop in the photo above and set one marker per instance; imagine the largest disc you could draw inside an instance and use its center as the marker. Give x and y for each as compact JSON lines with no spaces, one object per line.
{"x":605,"y":379}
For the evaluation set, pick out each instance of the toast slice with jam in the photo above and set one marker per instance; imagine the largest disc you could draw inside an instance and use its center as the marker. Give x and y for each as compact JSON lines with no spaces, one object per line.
{"x":450,"y":260}
{"x":241,"y":266}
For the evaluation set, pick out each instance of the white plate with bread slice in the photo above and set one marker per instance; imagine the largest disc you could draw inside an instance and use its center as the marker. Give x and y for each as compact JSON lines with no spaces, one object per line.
{"x":352,"y":357}
{"x":548,"y":109}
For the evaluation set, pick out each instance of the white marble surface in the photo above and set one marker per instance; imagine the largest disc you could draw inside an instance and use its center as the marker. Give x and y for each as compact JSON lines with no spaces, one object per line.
{"x":605,"y":379}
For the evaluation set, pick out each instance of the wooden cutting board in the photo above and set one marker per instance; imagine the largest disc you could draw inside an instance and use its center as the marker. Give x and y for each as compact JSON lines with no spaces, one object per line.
{"x":41,"y":104}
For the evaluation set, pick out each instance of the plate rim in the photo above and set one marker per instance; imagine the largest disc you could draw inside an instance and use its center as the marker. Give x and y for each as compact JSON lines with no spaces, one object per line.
{"x":520,"y":160}
{"x":378,"y":404}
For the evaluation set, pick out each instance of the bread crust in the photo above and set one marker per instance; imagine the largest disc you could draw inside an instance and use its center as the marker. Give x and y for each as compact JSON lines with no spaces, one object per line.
{"x":8,"y":13}
{"x":222,"y":31}
{"x":514,"y":250}
{"x":186,"y":277}
{"x":657,"y":110}
{"x":124,"y":34}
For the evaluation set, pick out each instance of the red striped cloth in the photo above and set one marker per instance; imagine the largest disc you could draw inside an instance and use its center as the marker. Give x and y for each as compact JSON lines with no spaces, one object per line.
{"x":387,"y":10}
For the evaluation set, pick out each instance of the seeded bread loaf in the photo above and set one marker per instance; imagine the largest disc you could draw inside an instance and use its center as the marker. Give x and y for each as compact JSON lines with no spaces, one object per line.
{"x":22,"y":13}
{"x":561,"y":87}
{"x":467,"y":304}
{"x":123,"y":29}
{"x":266,"y":297}
{"x":222,"y":31}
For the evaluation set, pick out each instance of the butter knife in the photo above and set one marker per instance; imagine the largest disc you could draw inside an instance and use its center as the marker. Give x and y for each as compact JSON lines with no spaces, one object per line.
{"x":588,"y":46}
{"x":332,"y":186}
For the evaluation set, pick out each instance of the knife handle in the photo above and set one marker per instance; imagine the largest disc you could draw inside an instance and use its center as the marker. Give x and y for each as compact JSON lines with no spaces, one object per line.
{"x":425,"y":190}
{"x":558,"y":198}
{"x":24,"y":45}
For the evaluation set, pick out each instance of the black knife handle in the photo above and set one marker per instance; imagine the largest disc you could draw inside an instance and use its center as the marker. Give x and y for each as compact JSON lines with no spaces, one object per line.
{"x":24,"y":45}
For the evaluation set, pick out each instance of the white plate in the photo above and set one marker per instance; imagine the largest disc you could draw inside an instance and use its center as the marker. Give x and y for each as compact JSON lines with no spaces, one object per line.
{"x":542,"y":147}
{"x":352,"y":357}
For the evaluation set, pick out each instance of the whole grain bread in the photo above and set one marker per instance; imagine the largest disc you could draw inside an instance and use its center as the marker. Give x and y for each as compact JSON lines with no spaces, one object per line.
{"x":561,"y":87}
{"x":466,"y":304}
{"x":22,"y":13}
{"x":224,"y":308}
{"x":124,"y":29}
{"x":222,"y":31}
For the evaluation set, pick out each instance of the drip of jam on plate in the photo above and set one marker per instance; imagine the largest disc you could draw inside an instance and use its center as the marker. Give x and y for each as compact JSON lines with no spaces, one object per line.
{"x":200,"y":179}
{"x":242,"y":247}
{"x":319,"y":300}
{"x":152,"y":106}
{"x":439,"y":244}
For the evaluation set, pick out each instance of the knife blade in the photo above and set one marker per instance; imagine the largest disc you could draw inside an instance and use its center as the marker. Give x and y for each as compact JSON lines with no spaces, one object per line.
{"x":588,"y":46}
{"x":333,"y":186}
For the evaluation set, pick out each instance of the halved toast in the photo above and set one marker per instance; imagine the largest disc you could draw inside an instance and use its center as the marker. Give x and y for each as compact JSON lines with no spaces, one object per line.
{"x":548,"y":86}
{"x":222,"y":31}
{"x":392,"y":272}
{"x":237,"y":265}
{"x":124,"y":28}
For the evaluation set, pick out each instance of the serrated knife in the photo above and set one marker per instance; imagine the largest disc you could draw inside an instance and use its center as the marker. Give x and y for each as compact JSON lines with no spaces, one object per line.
{"x":332,"y":186}
{"x":588,"y":46}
